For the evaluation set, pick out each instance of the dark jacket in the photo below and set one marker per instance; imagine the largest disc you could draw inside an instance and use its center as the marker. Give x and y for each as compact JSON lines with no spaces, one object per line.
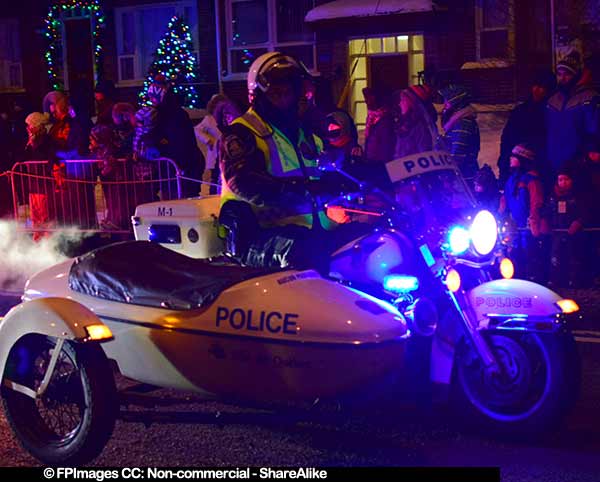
{"x":176,"y":139}
{"x":380,"y":138}
{"x":415,"y":132}
{"x":573,"y":125}
{"x":526,"y":124}
{"x":41,"y":181}
{"x":566,"y":207}
{"x":68,"y":139}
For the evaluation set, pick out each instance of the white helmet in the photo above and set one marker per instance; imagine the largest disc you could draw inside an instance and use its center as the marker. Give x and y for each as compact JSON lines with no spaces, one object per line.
{"x":272,"y":67}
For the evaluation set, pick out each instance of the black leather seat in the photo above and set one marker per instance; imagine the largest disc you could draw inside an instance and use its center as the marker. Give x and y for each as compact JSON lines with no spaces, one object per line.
{"x":145,"y":273}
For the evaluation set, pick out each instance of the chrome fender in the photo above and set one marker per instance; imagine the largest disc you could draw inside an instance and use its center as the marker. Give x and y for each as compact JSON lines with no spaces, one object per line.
{"x":56,"y":317}
{"x":506,"y":299}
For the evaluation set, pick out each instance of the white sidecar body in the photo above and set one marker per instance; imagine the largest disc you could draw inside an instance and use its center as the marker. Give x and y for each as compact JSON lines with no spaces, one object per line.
{"x":286,"y":335}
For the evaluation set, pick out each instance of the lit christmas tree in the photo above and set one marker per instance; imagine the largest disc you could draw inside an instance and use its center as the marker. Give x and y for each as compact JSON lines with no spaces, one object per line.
{"x":174,"y":59}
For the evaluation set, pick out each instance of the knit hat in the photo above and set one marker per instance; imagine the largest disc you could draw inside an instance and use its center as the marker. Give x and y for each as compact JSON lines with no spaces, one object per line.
{"x":423,"y":92}
{"x":567,"y":170}
{"x":37,"y":119}
{"x":51,"y":98}
{"x":571,"y":62}
{"x":214,"y":101}
{"x":123,"y":112}
{"x":161,"y":80}
{"x":523,"y":151}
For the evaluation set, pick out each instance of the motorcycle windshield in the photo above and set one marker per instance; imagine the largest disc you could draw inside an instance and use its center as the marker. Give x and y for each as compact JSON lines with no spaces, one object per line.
{"x":431,"y":190}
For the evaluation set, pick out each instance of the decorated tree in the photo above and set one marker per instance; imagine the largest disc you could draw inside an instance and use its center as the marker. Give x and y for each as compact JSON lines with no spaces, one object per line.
{"x":174,"y":59}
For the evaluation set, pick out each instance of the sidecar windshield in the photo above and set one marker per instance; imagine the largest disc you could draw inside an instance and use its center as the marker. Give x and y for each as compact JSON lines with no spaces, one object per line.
{"x":431,"y":191}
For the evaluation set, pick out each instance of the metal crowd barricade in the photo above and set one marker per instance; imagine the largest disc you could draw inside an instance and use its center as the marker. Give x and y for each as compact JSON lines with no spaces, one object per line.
{"x":87,"y":193}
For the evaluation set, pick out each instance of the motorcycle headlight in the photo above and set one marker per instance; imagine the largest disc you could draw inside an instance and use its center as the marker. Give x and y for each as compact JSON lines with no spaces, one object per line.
{"x":484,"y":232}
{"x":459,"y":240}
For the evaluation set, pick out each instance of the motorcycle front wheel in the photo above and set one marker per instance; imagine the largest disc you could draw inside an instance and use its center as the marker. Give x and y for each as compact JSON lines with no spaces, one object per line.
{"x":531,"y":392}
{"x":72,"y":421}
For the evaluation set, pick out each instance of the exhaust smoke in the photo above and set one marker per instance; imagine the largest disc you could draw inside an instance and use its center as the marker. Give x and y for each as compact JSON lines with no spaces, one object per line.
{"x":21,"y":257}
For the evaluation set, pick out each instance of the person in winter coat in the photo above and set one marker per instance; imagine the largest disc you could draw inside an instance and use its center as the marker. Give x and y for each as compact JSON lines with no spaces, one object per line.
{"x":75,"y":180}
{"x":415,"y":130}
{"x":67,"y":135}
{"x":342,"y":137}
{"x":221,"y":113}
{"x":40,"y":186}
{"x":522,"y":201}
{"x":461,"y":132}
{"x":137,"y":170}
{"x":123,"y":119}
{"x":176,"y":139}
{"x":589,"y":182}
{"x":567,"y":216}
{"x":527,"y":123}
{"x":572,"y":115}
{"x":485,"y":188}
{"x":49,"y":103}
{"x":113,"y":174}
{"x":379,"y":130}
{"x":104,"y":95}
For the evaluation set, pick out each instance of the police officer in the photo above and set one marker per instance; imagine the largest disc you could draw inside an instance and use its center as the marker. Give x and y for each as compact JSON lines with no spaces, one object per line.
{"x":269,"y":159}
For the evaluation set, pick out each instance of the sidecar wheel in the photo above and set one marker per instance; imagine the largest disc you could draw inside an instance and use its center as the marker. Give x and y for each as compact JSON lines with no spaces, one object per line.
{"x":72,"y":422}
{"x":537,"y":385}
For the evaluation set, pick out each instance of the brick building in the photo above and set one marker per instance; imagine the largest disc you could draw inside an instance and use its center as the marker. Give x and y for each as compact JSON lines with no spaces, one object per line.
{"x":493,"y":46}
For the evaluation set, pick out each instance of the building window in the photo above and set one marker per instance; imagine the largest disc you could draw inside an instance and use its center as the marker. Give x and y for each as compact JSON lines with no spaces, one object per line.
{"x":11,"y":70}
{"x":258,"y":26}
{"x":140,"y":28}
{"x":494,"y":26}
{"x":396,"y":50}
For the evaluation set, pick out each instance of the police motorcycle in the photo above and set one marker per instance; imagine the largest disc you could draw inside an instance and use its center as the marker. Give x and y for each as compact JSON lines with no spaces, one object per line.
{"x":503,"y":346}
{"x":499,"y":349}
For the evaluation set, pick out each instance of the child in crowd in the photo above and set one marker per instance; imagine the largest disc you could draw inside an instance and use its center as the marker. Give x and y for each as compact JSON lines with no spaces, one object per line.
{"x":486,"y":190}
{"x":522,"y":201}
{"x":40,"y":185}
{"x":567,"y":215}
{"x":104,"y":147}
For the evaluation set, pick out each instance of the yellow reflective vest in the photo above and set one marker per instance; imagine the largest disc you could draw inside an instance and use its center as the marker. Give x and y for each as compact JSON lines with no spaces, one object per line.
{"x":283,"y":160}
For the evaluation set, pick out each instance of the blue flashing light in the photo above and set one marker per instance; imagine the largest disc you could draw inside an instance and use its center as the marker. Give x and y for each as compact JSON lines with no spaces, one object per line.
{"x":427,"y":256}
{"x":400,"y":283}
{"x":459,"y":240}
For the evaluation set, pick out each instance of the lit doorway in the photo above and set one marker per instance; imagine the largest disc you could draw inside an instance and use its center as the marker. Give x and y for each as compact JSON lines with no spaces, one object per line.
{"x":391,"y":62}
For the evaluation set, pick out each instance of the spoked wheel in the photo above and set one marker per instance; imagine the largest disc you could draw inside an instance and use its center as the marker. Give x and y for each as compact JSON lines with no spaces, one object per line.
{"x":531,"y":391}
{"x":74,"y":418}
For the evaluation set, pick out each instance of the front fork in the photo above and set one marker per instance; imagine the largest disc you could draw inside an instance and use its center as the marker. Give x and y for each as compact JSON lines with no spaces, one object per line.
{"x":469,"y":319}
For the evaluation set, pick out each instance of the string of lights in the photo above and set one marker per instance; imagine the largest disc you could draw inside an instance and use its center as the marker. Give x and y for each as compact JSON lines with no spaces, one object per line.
{"x":53,"y":33}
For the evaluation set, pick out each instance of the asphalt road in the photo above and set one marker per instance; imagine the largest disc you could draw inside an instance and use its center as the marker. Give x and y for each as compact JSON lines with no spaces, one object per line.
{"x":408,"y":437}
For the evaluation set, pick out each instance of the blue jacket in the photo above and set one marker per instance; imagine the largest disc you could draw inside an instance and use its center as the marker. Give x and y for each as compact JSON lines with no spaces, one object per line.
{"x":573,"y":125}
{"x":524,"y":198}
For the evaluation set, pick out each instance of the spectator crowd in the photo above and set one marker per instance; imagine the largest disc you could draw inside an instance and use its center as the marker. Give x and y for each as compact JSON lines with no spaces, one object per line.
{"x":548,"y":167}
